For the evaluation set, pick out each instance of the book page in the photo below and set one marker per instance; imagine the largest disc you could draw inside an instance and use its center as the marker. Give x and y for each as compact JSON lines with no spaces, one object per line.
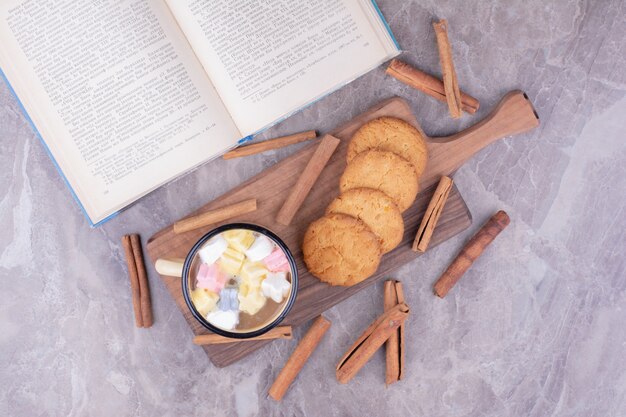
{"x":269,"y":58}
{"x":116,"y":92}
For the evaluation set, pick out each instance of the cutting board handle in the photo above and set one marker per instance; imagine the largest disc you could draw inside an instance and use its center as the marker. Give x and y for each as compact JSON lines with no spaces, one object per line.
{"x":513,"y":115}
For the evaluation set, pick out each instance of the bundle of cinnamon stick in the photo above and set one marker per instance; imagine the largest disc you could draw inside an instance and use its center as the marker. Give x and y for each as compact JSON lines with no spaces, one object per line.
{"x":142,"y":303}
{"x":387,"y":328}
{"x":447,"y":89}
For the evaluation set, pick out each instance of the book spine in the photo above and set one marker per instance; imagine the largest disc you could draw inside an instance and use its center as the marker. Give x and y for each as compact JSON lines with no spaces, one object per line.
{"x":246,"y":139}
{"x":49,"y":152}
{"x":382,"y":19}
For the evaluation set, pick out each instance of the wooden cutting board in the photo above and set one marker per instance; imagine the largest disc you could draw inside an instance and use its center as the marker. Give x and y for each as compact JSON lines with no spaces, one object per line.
{"x":272,"y":186}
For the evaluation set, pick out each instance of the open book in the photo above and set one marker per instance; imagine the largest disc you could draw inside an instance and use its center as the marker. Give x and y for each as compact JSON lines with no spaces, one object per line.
{"x":128,"y":94}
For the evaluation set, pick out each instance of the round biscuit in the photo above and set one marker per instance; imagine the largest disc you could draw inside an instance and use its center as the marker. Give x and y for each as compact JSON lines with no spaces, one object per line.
{"x":374,"y":208}
{"x":392,"y":135}
{"x":340,"y":250}
{"x":384,"y":171}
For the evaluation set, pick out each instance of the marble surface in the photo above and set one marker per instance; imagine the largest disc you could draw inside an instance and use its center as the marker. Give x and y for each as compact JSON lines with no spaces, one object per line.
{"x":535,"y":328}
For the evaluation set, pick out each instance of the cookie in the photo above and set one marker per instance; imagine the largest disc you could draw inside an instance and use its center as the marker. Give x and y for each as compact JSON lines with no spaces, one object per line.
{"x":383,"y":171}
{"x":376,"y":210}
{"x":341,"y":250}
{"x":392,"y":135}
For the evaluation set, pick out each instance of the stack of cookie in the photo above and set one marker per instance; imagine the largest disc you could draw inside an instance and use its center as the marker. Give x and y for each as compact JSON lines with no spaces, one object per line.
{"x":386,"y":158}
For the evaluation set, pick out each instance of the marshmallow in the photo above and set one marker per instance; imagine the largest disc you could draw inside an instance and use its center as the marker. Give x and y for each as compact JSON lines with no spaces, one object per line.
{"x":211,"y":277}
{"x":203,"y":300}
{"x":231,"y":261}
{"x":276,"y":286}
{"x":213,"y":249}
{"x":277,"y":261}
{"x":226,"y":320}
{"x":239,"y":239}
{"x":251,"y":300}
{"x":252,"y":273}
{"x":260,"y":248}
{"x":228,"y":300}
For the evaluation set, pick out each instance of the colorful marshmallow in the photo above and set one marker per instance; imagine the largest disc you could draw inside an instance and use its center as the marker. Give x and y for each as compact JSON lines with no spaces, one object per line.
{"x":239,"y":239}
{"x":251,"y":299}
{"x":277,"y":261}
{"x":276,"y":286}
{"x":228,"y":299}
{"x":253,"y":273}
{"x":231,"y":261}
{"x":213,"y":249}
{"x":204,"y":300}
{"x":226,"y":320}
{"x":261,"y":248}
{"x":211,"y":278}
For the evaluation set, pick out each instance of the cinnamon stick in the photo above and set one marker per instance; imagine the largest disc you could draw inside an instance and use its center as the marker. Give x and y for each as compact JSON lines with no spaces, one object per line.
{"x":401,"y":300}
{"x":144,"y":288}
{"x":140,"y":289}
{"x":428,"y":84}
{"x":431,"y":217}
{"x":369,"y":342}
{"x":472,"y":250}
{"x":450,"y":82}
{"x":394,"y":347}
{"x":281,"y":332}
{"x":298,"y":358}
{"x":215,"y":216}
{"x":270,"y":144}
{"x":134,"y":279}
{"x":307,"y":179}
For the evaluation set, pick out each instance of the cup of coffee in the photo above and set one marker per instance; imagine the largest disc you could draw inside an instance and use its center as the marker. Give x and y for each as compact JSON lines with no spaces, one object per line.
{"x":239,"y":280}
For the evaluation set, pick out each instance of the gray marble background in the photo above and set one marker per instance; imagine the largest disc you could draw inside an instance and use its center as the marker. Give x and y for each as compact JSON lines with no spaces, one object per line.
{"x":535,"y":328}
